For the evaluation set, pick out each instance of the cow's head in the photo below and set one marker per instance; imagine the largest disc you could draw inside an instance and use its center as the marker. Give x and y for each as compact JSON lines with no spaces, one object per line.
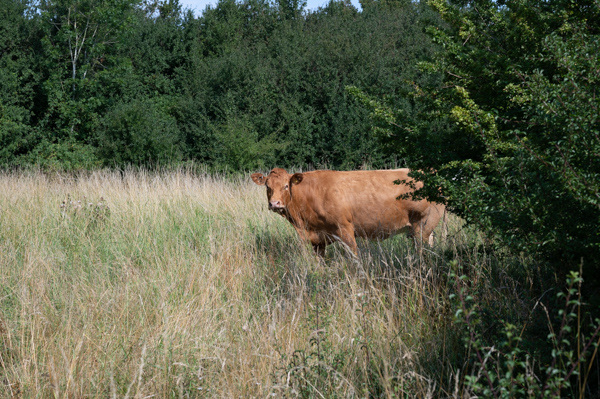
{"x":279,"y":187}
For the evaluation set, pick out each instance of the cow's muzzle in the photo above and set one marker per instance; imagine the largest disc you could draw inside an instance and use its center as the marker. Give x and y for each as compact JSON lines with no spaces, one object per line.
{"x":277,"y":207}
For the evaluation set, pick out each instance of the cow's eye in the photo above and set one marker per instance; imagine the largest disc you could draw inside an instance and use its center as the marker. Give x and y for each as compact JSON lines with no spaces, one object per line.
{"x":286,"y":187}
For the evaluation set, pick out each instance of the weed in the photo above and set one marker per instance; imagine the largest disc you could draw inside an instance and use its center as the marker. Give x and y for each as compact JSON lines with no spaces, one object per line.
{"x":505,"y":370}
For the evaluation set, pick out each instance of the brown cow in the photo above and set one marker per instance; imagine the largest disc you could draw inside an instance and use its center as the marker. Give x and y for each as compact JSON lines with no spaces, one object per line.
{"x":326,"y":205}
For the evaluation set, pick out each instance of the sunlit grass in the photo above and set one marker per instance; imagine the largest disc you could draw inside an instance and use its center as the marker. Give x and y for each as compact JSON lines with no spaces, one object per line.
{"x":184,"y":285}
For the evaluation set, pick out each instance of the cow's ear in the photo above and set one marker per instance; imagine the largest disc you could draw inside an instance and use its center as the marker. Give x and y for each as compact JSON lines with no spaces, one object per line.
{"x":258,"y":178}
{"x":296,"y":178}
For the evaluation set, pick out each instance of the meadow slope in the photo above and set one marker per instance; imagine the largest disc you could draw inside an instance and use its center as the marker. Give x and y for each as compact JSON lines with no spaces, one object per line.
{"x":176,"y":284}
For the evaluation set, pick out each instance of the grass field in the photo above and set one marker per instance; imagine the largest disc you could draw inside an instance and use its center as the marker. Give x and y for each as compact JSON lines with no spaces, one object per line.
{"x":175,"y":284}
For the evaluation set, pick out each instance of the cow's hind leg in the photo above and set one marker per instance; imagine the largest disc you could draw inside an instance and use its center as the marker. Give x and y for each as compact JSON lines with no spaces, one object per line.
{"x":422,"y":228}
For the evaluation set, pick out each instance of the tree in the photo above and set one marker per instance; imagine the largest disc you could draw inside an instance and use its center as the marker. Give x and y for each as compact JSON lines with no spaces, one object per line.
{"x":18,"y":80}
{"x":280,"y":82}
{"x":510,"y":130}
{"x":79,"y":52}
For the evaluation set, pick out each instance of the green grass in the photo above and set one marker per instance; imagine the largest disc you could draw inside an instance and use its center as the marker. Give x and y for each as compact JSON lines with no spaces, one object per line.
{"x":181,"y":285}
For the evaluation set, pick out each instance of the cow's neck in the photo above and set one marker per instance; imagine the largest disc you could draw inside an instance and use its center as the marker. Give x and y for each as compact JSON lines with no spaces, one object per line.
{"x":292,"y":214}
{"x":298,"y":208}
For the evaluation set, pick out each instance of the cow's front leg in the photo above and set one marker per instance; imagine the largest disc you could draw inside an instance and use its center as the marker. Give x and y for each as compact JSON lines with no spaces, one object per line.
{"x":346,"y":235}
{"x":317,"y":241}
{"x":319,"y":249}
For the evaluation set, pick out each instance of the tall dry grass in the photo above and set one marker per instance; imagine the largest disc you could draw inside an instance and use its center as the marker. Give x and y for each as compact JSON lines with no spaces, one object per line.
{"x":172,"y":284}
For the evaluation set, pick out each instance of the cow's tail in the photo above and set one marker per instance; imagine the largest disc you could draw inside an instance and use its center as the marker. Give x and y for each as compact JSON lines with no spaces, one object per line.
{"x":445,"y":225}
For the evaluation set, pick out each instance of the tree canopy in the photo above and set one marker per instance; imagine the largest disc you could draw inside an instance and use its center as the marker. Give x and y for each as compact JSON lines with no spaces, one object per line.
{"x":247,"y":84}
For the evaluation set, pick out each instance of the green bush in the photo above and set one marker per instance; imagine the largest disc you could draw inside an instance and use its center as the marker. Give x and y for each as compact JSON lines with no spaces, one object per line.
{"x":139,"y":133}
{"x":64,"y":156}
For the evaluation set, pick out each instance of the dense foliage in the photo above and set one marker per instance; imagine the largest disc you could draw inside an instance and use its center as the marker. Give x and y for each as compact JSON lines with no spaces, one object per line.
{"x":245,"y":84}
{"x":512,"y":133}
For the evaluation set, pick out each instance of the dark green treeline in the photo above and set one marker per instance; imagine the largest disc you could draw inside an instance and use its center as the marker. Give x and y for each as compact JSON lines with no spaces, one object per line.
{"x":248,"y":84}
